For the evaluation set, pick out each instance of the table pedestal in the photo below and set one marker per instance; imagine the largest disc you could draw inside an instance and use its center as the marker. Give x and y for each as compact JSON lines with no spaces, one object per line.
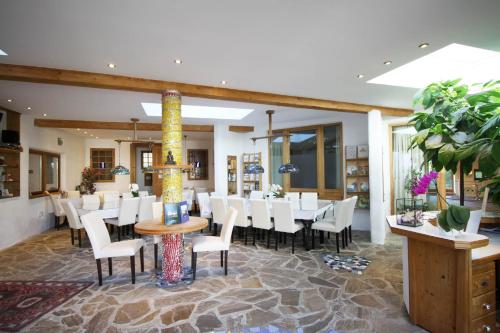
{"x":173,"y":272}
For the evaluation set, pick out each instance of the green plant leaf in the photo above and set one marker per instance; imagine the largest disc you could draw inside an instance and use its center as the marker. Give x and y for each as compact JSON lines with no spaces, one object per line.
{"x":459,"y":137}
{"x":442,"y":220}
{"x":457,"y":216}
{"x":446,"y":153}
{"x":427,"y":99}
{"x":434,"y":141}
{"x":421,"y":136}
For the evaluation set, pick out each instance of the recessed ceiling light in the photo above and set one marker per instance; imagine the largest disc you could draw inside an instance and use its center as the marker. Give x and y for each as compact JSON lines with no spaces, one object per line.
{"x":84,"y":132}
{"x":91,"y":134}
{"x":360,"y":76}
{"x":28,"y":108}
{"x":200,"y":111}
{"x":178,"y":61}
{"x":9,"y":100}
{"x":111,"y":65}
{"x":223,"y":82}
{"x":387,"y":62}
{"x":128,"y":137}
{"x":77,"y":129}
{"x":97,"y":137}
{"x":472,"y":64}
{"x":45,"y":115}
{"x":149,"y":138}
{"x":3,"y":53}
{"x":423,"y":45}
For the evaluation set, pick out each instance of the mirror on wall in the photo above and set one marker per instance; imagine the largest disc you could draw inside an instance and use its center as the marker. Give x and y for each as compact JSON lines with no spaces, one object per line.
{"x":198,"y":158}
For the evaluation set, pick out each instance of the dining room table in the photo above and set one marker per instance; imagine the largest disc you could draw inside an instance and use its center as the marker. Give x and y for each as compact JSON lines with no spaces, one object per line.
{"x":306,"y":216}
{"x":108,"y":213}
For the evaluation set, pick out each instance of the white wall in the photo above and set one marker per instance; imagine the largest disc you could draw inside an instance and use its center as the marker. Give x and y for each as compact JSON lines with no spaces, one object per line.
{"x":354,"y":131}
{"x":122,"y":182}
{"x":21,"y":217}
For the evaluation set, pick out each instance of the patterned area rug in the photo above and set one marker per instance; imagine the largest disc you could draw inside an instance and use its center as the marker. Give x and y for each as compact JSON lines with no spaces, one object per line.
{"x":352,"y":264}
{"x":22,"y":302}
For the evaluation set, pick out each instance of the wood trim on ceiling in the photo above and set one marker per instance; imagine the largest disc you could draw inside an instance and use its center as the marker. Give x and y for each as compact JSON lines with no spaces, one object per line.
{"x":108,"y":81}
{"x":111,"y":125}
{"x":241,"y":129}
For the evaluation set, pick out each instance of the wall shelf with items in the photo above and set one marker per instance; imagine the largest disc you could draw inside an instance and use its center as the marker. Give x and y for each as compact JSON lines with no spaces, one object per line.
{"x":232,"y":175}
{"x":10,"y":153}
{"x":357,"y":175}
{"x":251,"y":182}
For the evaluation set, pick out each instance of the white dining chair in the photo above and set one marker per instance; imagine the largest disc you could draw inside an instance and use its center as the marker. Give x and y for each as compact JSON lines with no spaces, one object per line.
{"x":242,"y":220}
{"x":348,"y":229}
{"x":256,"y":195}
{"x":334,"y":223}
{"x":261,"y":218}
{"x":104,"y":248}
{"x":127,"y":195}
{"x":72,"y":194}
{"x":59,"y":214}
{"x":205,"y":208}
{"x":214,"y":243}
{"x":146,"y":208}
{"x":187,"y":195}
{"x":157,"y":215}
{"x":219,"y":207}
{"x":126,"y":216}
{"x":294,"y":198}
{"x":90,"y":202}
{"x":143,"y":194}
{"x":474,"y":221}
{"x":110,"y":200}
{"x":285,"y":222}
{"x":73,"y":221}
{"x":309,"y":201}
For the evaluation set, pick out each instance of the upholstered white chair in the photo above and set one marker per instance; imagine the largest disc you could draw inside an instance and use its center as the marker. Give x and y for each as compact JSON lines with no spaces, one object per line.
{"x":143,"y":194}
{"x":127,"y":215}
{"x":127,"y":195}
{"x":72,"y":194}
{"x":187,"y":195}
{"x":157,"y":215}
{"x":219,"y":207}
{"x":214,"y":243}
{"x":294,"y":198}
{"x":146,"y":208}
{"x":73,"y":221}
{"x":261,"y":218}
{"x":110,"y":200}
{"x":309,"y":201}
{"x":104,"y":248}
{"x":285,"y":222}
{"x":256,"y":195}
{"x":59,"y":214}
{"x":242,"y":219}
{"x":205,"y":208}
{"x":90,"y":202}
{"x":348,"y":229}
{"x":335,"y":224}
{"x":474,"y":221}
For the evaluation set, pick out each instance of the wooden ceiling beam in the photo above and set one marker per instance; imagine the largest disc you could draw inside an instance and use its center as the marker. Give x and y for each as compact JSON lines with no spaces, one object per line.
{"x":111,"y":125}
{"x":241,"y":129}
{"x":117,"y":82}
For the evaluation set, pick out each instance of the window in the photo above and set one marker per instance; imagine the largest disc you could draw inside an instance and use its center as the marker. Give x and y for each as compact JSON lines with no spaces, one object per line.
{"x":146,"y":159}
{"x":103,"y":160}
{"x":317,"y":151}
{"x":44,"y":172}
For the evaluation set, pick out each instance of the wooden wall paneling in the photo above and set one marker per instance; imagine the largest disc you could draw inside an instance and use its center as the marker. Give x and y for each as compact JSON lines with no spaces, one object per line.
{"x":118,"y":82}
{"x":241,"y":129}
{"x":157,"y":160}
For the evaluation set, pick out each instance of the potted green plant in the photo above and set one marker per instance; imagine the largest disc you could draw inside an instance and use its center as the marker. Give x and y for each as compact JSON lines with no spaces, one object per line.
{"x":89,"y":176}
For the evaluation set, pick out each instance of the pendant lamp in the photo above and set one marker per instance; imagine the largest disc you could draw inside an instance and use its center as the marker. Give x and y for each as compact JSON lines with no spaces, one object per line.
{"x":120,"y":169}
{"x":288,"y":168}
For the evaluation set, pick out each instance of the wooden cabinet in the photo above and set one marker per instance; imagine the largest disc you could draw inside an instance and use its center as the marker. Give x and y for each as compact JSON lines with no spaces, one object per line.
{"x":10,"y":177}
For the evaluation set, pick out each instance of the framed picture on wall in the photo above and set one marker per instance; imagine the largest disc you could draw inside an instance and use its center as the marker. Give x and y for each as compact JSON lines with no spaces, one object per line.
{"x":363,"y":151}
{"x":478,"y":174}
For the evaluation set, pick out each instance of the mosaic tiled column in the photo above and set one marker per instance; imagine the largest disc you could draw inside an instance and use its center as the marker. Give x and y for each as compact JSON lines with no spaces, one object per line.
{"x":171,"y":127}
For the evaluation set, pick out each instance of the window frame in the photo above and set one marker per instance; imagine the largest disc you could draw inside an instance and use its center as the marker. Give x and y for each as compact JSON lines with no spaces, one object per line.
{"x":142,"y":157}
{"x":113,"y":163}
{"x":324,"y":193}
{"x":45,"y":155}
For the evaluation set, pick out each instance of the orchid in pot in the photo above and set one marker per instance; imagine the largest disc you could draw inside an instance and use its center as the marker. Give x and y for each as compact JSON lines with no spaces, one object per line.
{"x":449,"y":219}
{"x":277,"y":191}
{"x":134,"y":189}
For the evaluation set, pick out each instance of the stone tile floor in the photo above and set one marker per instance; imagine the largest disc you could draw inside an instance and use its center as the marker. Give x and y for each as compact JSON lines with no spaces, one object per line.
{"x":263,"y":287}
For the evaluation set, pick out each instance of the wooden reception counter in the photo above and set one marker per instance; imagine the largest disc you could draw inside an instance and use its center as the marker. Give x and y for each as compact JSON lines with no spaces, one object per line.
{"x":448,"y":282}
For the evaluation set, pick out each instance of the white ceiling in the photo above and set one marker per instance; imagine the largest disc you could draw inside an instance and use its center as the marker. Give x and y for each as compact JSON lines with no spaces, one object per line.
{"x":303,"y":48}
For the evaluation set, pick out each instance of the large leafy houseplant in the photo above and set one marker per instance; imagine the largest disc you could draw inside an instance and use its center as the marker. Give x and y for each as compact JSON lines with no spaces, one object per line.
{"x":457,"y":128}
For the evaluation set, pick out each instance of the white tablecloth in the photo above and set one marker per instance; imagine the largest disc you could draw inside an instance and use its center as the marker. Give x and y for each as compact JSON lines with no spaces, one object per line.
{"x":103,"y":213}
{"x":299,"y":214}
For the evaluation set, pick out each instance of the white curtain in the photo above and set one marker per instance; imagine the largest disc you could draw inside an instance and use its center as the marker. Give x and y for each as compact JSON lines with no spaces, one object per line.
{"x":404,"y":159}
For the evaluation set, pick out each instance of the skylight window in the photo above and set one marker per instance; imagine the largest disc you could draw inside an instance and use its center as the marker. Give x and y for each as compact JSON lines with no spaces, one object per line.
{"x":296,"y":138}
{"x":2,"y":53}
{"x":197,"y":111}
{"x":471,"y":64}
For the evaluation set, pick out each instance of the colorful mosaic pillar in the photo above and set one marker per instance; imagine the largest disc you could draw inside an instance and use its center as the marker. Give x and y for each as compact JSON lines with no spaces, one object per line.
{"x":171,"y":128}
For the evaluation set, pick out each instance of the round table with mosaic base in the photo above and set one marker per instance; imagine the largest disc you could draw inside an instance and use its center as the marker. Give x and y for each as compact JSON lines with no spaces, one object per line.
{"x":172,"y":273}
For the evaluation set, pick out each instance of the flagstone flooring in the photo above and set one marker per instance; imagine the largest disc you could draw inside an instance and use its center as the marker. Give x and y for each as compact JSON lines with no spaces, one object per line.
{"x":264,"y":287}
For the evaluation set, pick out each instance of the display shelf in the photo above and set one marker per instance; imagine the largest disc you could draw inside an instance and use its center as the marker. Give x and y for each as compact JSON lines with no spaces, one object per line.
{"x":357,"y":175}
{"x":251,"y":182}
{"x":232,"y":175}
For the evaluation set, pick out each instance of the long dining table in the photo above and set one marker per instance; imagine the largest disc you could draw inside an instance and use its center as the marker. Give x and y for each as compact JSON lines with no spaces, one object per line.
{"x":108,"y":213}
{"x":306,"y":216}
